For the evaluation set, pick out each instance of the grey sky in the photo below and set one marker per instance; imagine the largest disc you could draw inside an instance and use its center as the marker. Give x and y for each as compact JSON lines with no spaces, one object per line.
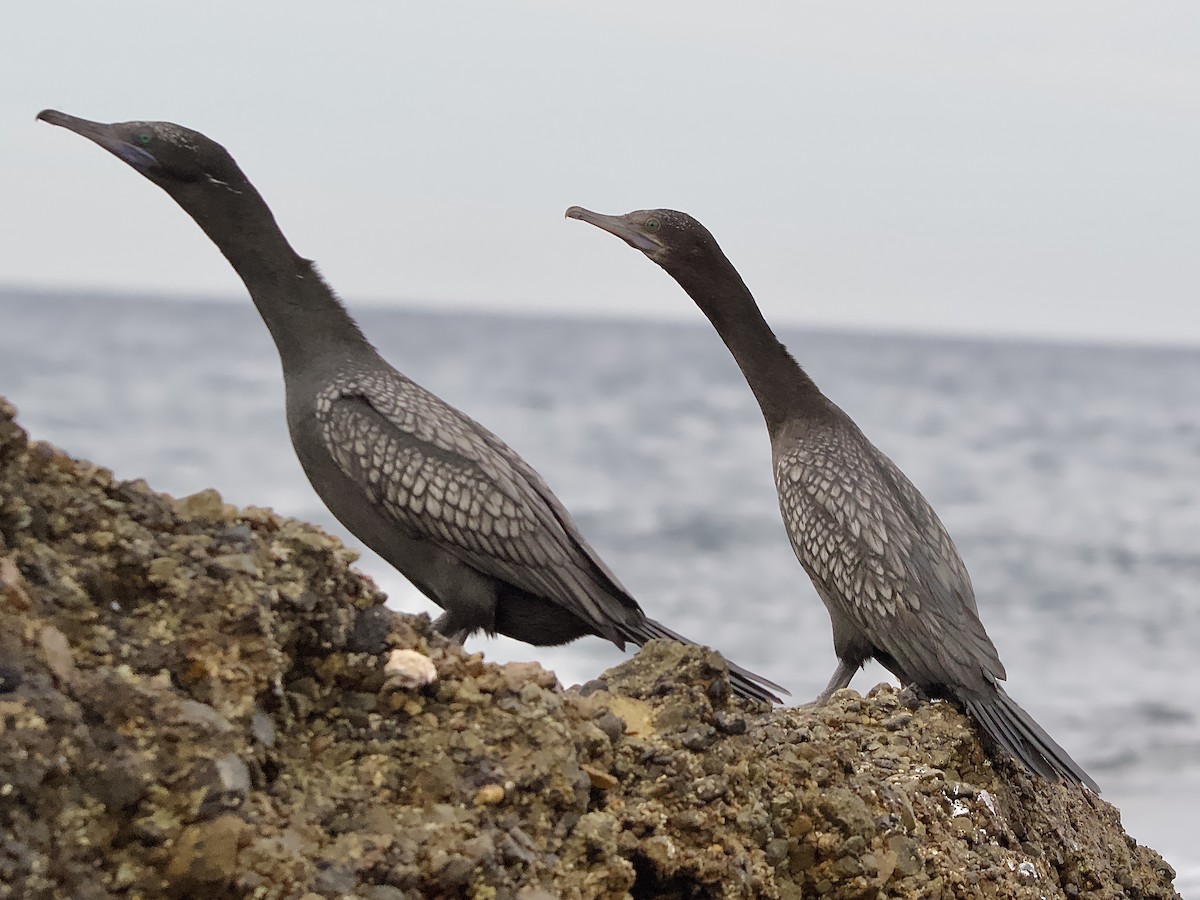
{"x":985,"y":167}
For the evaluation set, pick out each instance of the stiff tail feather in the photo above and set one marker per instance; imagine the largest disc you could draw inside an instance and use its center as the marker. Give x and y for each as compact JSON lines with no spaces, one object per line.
{"x":743,"y":682}
{"x":1016,"y":731}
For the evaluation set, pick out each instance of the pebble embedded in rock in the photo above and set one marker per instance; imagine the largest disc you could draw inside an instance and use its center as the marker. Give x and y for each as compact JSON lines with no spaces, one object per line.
{"x":205,"y":504}
{"x":335,"y":879}
{"x":123,"y":782}
{"x":228,"y":564}
{"x":385,"y":892}
{"x":262,"y":727}
{"x":612,"y":726}
{"x":371,"y":630}
{"x":591,"y":687}
{"x":12,"y":589}
{"x":10,"y":679}
{"x":729,"y":723}
{"x":193,"y":712}
{"x":408,"y":669}
{"x":700,"y":739}
{"x":456,"y":872}
{"x":776,"y":851}
{"x":536,"y":893}
{"x":489,"y":795}
{"x":206,"y":854}
{"x":712,"y":787}
{"x":233,"y":774}
{"x":58,"y":654}
{"x":898,"y":722}
{"x":600,"y":779}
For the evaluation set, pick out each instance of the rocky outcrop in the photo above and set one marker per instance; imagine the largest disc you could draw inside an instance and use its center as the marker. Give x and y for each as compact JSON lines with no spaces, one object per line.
{"x":197,"y":700}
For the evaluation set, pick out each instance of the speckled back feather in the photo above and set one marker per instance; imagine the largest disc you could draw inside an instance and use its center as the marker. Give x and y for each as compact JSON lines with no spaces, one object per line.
{"x":449,"y":480}
{"x":881,"y":559}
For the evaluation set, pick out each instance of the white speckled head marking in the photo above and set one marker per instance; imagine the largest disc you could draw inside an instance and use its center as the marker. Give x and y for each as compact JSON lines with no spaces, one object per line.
{"x":164,"y":132}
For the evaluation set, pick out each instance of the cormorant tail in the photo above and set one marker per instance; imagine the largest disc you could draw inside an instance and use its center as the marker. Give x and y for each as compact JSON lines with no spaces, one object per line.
{"x":1016,"y":731}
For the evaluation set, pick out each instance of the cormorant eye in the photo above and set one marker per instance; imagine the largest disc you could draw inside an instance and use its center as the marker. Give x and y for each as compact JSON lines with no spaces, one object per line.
{"x":652,"y":224}
{"x":144,"y":138}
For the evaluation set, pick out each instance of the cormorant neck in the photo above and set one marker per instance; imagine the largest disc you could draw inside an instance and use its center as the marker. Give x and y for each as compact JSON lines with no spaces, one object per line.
{"x":300,"y":310}
{"x":776,"y":379}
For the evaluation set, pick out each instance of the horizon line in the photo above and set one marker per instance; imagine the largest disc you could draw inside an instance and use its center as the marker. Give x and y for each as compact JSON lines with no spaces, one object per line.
{"x":460,"y":307}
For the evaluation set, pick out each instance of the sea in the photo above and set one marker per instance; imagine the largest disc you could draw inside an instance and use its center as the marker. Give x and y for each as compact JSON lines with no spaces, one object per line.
{"x":1068,"y":474}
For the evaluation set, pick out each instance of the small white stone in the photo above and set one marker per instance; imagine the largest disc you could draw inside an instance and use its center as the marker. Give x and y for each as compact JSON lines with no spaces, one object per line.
{"x":988,"y":802}
{"x":409,"y":669}
{"x":1026,"y":873}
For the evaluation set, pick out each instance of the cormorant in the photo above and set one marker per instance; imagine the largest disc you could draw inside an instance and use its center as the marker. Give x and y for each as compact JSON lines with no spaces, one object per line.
{"x":438,"y":496}
{"x":879,"y":557}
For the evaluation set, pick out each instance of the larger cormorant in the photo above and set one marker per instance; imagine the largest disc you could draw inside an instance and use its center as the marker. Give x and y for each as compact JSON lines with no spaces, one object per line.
{"x":438,"y":496}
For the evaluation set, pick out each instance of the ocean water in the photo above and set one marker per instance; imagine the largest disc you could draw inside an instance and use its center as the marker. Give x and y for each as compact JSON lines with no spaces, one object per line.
{"x":1069,"y":477}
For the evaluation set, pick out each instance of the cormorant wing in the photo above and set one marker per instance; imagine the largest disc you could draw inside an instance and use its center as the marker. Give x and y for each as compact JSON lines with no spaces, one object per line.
{"x":536,"y":484}
{"x":873,"y":545}
{"x":446,"y":479}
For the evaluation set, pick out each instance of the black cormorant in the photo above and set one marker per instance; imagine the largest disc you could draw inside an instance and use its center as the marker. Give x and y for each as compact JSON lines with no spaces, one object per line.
{"x":880,"y":559}
{"x":438,"y":496}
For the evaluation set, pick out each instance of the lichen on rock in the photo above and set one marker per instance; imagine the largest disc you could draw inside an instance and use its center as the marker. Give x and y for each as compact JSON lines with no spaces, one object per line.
{"x":197,"y":700}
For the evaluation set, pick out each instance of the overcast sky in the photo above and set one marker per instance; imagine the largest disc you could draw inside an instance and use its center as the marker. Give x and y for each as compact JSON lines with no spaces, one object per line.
{"x":1004,"y":168}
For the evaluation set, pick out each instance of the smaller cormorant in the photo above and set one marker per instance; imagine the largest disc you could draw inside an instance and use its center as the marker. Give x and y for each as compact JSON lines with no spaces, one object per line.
{"x":879,"y":557}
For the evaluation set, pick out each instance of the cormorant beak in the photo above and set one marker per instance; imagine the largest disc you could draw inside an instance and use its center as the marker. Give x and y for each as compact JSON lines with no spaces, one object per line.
{"x":106,"y":136}
{"x":620,"y":226}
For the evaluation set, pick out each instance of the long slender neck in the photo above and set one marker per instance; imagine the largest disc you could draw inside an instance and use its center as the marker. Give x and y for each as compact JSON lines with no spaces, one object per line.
{"x":779,"y":384}
{"x":301,"y":311}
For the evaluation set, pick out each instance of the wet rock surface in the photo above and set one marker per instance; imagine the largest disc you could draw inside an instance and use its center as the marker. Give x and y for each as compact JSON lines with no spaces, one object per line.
{"x":202,"y":701}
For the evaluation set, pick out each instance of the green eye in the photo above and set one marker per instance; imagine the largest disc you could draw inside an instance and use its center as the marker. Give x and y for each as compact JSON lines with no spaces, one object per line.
{"x":652,"y":224}
{"x":144,"y":138}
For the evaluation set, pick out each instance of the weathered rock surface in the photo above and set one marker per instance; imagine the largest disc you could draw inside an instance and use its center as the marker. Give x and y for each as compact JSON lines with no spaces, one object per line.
{"x":202,"y":701}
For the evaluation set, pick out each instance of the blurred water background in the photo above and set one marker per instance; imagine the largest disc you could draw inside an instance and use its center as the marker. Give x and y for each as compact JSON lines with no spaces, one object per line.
{"x":1069,"y":476}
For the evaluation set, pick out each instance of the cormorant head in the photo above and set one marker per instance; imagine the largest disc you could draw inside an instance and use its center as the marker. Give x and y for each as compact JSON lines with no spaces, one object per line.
{"x":670,"y":238}
{"x":177,"y":159}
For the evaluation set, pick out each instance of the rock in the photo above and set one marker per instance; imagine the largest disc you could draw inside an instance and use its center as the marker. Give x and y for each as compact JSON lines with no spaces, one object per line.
{"x":206,"y":854}
{"x":729,"y":723}
{"x":194,"y":712}
{"x":385,"y":892}
{"x":372,"y":627}
{"x":200,"y":701}
{"x":234,"y":563}
{"x":700,"y":739}
{"x":599,"y":779}
{"x":10,"y":679}
{"x":408,"y":669}
{"x":123,"y":781}
{"x":334,"y":879}
{"x":205,"y":504}
{"x":489,"y":795}
{"x":58,"y":654}
{"x":262,"y":727}
{"x":232,"y":774}
{"x":12,"y":587}
{"x":637,"y":717}
{"x":611,"y":725}
{"x":1027,"y":873}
